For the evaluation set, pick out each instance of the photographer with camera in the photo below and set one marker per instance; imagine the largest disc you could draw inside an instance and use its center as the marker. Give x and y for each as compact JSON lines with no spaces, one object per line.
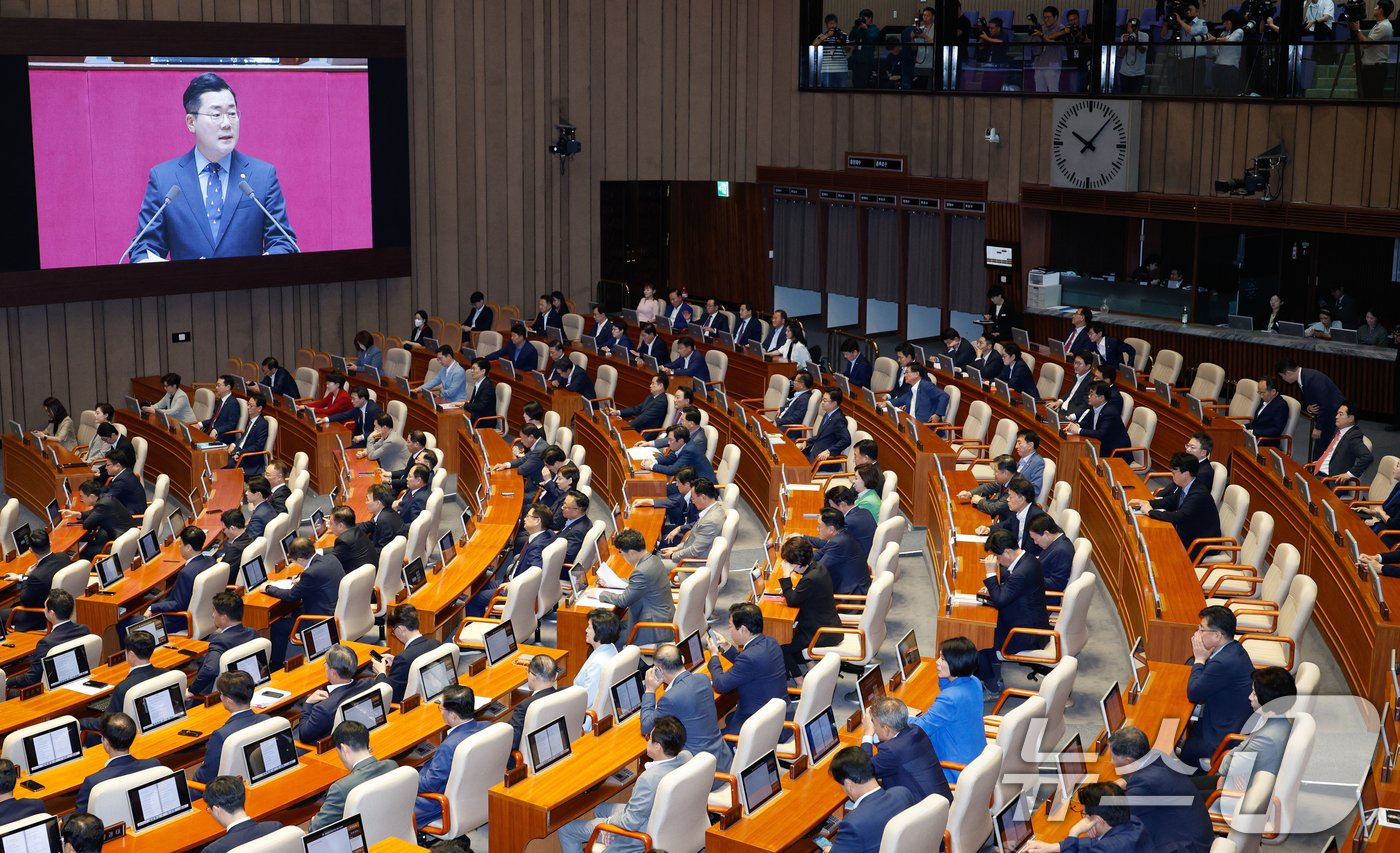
{"x":1184,"y":29}
{"x":918,"y":51}
{"x":1050,"y":60}
{"x":992,"y":47}
{"x":835,"y":72}
{"x":864,"y":36}
{"x":1376,"y":54}
{"x":1076,"y":53}
{"x":1318,"y":17}
{"x":1132,"y":58}
{"x":1227,"y":47}
{"x":891,"y":70}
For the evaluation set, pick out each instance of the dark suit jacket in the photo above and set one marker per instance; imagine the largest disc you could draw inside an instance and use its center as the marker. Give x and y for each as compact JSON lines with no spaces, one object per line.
{"x":859,"y":371}
{"x":317,"y":587}
{"x":242,"y":833}
{"x":1186,"y":826}
{"x":13,"y":810}
{"x":480,"y":320}
{"x":578,"y":381}
{"x":354,"y":548}
{"x":397,"y":676}
{"x":107,"y":520}
{"x":861,"y":830}
{"x":1221,"y":686}
{"x":128,"y":490}
{"x":1269,"y":422}
{"x":121,"y":765}
{"x":656,"y":349}
{"x":232,"y":554}
{"x":1107,"y":427}
{"x":861,"y":525}
{"x":531,"y":467}
{"x":182,"y":231}
{"x":648,"y":414}
{"x":1002,"y":322}
{"x":1020,"y":602}
{"x":531,"y":552}
{"x":237,"y":722}
{"x":1319,"y":389}
{"x":691,"y":699}
{"x":816,"y":608}
{"x":1351,"y":456}
{"x":989,"y":365}
{"x":261,"y":516}
{"x":1116,"y":352}
{"x":910,"y":761}
{"x":433,"y":773}
{"x":59,"y":635}
{"x":670,"y":463}
{"x":383,"y":527}
{"x":411,"y":504}
{"x":1077,"y":340}
{"x":693,"y":366}
{"x":253,"y":439}
{"x":482,"y":402}
{"x":679,"y":512}
{"x":746,"y":330}
{"x":226,"y":414}
{"x":362,"y":420}
{"x":316,"y":718}
{"x":962,"y":354}
{"x":219,"y":642}
{"x":757,"y":673}
{"x":178,"y":598}
{"x":1056,"y":562}
{"x":279,"y":496}
{"x":1023,"y":538}
{"x":525,"y":358}
{"x":545,"y":320}
{"x":831,"y":434}
{"x":794,"y":409}
{"x":135,"y":677}
{"x":34,"y":590}
{"x":1194,"y":518}
{"x":931,"y":401}
{"x":574,"y":535}
{"x":281,"y":383}
{"x":844,"y":562}
{"x":715,"y":322}
{"x":1019,"y":379}
{"x":517,"y":719}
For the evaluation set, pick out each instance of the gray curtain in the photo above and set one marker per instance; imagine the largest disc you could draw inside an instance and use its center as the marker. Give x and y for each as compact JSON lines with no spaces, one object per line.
{"x":925,"y":259}
{"x":882,"y":255}
{"x":966,"y":267}
{"x":795,"y":244}
{"x":842,"y":250}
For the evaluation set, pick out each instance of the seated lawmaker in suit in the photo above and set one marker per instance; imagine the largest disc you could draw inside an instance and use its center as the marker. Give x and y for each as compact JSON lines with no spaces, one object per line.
{"x":679,"y":505}
{"x":534,"y":537}
{"x":531,"y":464}
{"x":547,"y":317}
{"x":385,"y":445}
{"x":1220,"y":682}
{"x":666,"y":752}
{"x":451,"y":378}
{"x":481,"y":317}
{"x":854,"y":366}
{"x":458,"y":714}
{"x":12,"y":809}
{"x":351,"y":740}
{"x":712,"y":321}
{"x":1266,"y":732}
{"x":1347,"y":454}
{"x":140,"y":645}
{"x":1271,"y":418}
{"x":1020,"y":512}
{"x":367,"y":353}
{"x":677,"y":311}
{"x":34,"y":585}
{"x":176,"y":403}
{"x":402,"y":622}
{"x":955,"y":349}
{"x":681,"y":451}
{"x":480,"y":399}
{"x":542,"y":679}
{"x":235,"y":691}
{"x":353,"y":547}
{"x":647,"y":597}
{"x":105,"y":519}
{"x":1163,"y":798}
{"x":689,"y":362}
{"x":793,"y":411}
{"x":1030,"y":464}
{"x":1056,"y":551}
{"x":247,"y":451}
{"x":1018,"y":376}
{"x":919,"y":396}
{"x":1015,"y":586}
{"x":902,"y":755}
{"x":840,"y":553}
{"x":318,"y":710}
{"x":363,"y":411}
{"x":1108,"y":825}
{"x":649,"y":343}
{"x":317,"y":588}
{"x":226,"y":414}
{"x":706,"y":529}
{"x":830,"y":436}
{"x":383,"y":523}
{"x":650,"y":413}
{"x":618,"y":344}
{"x":690,"y":698}
{"x":277,"y":380}
{"x":806,"y":585}
{"x":871,"y":807}
{"x":987,"y":360}
{"x":570,"y":377}
{"x":415,"y":497}
{"x":756,"y":669}
{"x":192,"y":542}
{"x":574,"y":512}
{"x":1103,"y":421}
{"x":235,"y":541}
{"x":227,"y":799}
{"x":1111,"y":351}
{"x":257,"y":491}
{"x":1076,"y":401}
{"x":335,"y":406}
{"x":747,"y":327}
{"x":518,"y":351}
{"x":121,"y":480}
{"x":990,"y":497}
{"x":229,"y":632}
{"x":1189,"y":507}
{"x":860,"y":523}
{"x":118,"y":733}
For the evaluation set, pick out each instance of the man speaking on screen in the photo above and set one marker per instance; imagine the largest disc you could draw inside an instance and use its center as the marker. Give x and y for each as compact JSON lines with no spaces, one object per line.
{"x":211,"y":215}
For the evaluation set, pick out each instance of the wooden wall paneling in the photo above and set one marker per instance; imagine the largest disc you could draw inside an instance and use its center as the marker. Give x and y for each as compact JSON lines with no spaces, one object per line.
{"x":1348,"y":179}
{"x":445,"y":51}
{"x":1380,"y":171}
{"x":421,"y":131}
{"x":701,"y":113}
{"x":523,"y":26}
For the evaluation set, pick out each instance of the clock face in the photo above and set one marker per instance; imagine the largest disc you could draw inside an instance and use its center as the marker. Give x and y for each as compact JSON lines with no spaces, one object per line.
{"x":1090,"y":145}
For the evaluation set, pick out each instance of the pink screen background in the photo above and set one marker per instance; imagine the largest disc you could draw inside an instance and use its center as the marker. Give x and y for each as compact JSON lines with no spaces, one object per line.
{"x":98,"y":133}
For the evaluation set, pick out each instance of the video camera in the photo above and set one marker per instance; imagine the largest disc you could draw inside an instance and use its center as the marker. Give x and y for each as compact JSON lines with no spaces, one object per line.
{"x":1353,"y":10}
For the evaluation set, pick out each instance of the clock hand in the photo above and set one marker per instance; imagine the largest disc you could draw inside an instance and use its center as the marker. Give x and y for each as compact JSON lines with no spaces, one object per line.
{"x":1089,"y":146}
{"x":1087,"y":143}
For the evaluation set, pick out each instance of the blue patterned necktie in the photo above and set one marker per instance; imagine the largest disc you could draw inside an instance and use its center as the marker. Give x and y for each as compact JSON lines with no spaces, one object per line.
{"x":214,"y":198}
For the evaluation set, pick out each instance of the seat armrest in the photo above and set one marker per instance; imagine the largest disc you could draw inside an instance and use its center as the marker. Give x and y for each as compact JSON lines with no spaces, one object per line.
{"x":446,"y":820}
{"x":668,"y":626}
{"x":1287,"y":642}
{"x":617,"y":830}
{"x":827,"y":629}
{"x":1037,"y":632}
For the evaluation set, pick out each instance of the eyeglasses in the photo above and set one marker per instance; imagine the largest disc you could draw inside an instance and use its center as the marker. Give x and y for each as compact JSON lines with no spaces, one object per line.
{"x":231,"y":115}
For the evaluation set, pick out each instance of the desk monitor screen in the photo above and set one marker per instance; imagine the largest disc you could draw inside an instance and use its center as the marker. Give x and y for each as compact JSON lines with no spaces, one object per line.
{"x":1112,"y":706}
{"x":414,"y":576}
{"x":843,"y":383}
{"x":1291,"y":329}
{"x":52,"y":747}
{"x":149,"y":546}
{"x":64,"y":667}
{"x":1242,"y":322}
{"x":1193,"y":405}
{"x":500,"y":643}
{"x":760,"y":782}
{"x":1304,"y":490}
{"x":133,"y":405}
{"x":756,"y":582}
{"x":346,"y":836}
{"x":1137,"y":661}
{"x":820,"y":735}
{"x":1353,"y":549}
{"x":908,"y":655}
{"x":269,"y":756}
{"x":15,"y":428}
{"x":871,"y":686}
{"x":339,"y":365}
{"x":437,"y":675}
{"x":1021,"y":338}
{"x":1072,"y":768}
{"x":54,"y":513}
{"x":21,"y":539}
{"x":692,"y":651}
{"x":1277,"y":462}
{"x":1163,"y":389}
{"x":1002,"y":390}
{"x":109,"y":571}
{"x":159,"y":708}
{"x":588,"y":342}
{"x":156,"y":801}
{"x":318,"y":521}
{"x":1028,"y":403}
{"x":1344,"y":336}
{"x":548,"y":744}
{"x":650,"y":363}
{"x":627,"y":696}
{"x":155,"y":626}
{"x":67,"y":492}
{"x":254,"y":574}
{"x":38,"y":834}
{"x":1056,"y":346}
{"x":286,"y":545}
{"x":447,"y":548}
{"x":367,"y":708}
{"x":255,"y":665}
{"x":318,"y":639}
{"x":1013,"y":827}
{"x":1329,"y":516}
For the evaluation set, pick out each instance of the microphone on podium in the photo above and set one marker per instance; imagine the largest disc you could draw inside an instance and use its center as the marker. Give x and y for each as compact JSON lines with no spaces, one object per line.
{"x":170,"y":195}
{"x":248,"y":191}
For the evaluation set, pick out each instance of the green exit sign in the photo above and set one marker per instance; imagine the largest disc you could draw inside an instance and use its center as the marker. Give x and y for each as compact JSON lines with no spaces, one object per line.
{"x":722,"y":189}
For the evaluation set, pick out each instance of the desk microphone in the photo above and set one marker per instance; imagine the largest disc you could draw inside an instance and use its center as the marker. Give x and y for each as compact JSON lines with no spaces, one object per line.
{"x":248,"y":191}
{"x":170,"y":195}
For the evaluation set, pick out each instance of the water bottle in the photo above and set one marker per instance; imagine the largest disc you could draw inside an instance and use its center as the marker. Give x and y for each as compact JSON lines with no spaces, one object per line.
{"x":1183,"y":315}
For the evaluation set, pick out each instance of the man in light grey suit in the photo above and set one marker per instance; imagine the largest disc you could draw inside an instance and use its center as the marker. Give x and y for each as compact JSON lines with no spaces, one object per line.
{"x":1267,"y":730}
{"x":648,"y":593}
{"x":689,"y":698}
{"x":176,"y":403}
{"x":351,"y":740}
{"x":385,"y":446}
{"x":1030,"y":464}
{"x":666,"y":749}
{"x":706,"y":528}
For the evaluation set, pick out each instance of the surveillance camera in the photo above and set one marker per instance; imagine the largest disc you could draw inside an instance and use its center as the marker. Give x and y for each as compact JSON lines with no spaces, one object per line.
{"x":992,"y":136}
{"x":564,"y":125}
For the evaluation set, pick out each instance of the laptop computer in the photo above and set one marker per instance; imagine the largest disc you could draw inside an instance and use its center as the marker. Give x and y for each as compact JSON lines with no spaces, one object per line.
{"x":1243,"y":322}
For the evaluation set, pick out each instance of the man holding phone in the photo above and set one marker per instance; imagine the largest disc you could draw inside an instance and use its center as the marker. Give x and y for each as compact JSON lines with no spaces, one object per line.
{"x":756,"y":669}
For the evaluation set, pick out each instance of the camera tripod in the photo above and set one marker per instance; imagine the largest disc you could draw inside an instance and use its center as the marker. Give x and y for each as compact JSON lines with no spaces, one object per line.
{"x":1355,"y":53}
